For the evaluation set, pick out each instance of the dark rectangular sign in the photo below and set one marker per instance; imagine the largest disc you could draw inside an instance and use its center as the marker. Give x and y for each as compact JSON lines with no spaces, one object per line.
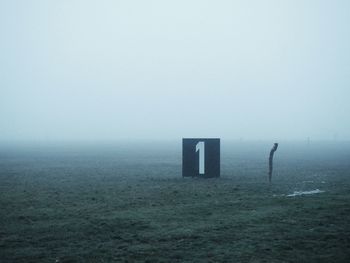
{"x":200,"y":157}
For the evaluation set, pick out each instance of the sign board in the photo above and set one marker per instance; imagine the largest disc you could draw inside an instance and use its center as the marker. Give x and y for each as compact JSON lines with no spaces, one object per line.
{"x":200,"y":157}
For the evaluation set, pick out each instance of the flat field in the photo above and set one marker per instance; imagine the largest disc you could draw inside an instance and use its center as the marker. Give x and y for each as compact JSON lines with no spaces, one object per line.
{"x":127,"y":202}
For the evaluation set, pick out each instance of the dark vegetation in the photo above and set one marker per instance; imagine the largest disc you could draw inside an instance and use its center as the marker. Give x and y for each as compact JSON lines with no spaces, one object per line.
{"x":129,"y":203}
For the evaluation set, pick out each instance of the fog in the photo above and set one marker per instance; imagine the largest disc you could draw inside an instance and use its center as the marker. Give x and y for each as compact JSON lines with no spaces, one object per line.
{"x":105,"y":70}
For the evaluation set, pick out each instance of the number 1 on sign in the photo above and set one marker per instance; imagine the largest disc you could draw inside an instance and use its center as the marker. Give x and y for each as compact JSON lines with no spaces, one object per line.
{"x":200,"y":147}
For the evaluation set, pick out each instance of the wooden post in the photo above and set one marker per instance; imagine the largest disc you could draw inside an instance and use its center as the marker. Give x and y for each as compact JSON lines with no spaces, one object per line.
{"x":274,"y":148}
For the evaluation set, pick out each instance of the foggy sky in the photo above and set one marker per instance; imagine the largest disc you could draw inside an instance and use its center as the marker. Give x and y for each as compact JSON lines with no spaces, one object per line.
{"x":171,"y":69}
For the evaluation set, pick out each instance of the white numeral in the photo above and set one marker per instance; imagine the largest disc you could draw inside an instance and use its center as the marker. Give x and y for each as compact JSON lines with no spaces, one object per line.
{"x":200,"y":147}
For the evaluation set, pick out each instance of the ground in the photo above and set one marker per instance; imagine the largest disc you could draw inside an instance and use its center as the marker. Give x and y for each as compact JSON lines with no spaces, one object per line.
{"x":127,"y":202}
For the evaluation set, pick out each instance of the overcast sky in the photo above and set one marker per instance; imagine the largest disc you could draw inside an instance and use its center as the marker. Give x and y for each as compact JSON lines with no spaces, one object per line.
{"x":171,"y":69}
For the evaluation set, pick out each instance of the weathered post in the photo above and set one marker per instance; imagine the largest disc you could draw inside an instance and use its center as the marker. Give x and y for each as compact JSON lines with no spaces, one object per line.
{"x":274,"y":148}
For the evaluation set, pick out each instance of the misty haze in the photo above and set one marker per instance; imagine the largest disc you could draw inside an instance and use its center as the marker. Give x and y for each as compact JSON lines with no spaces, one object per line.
{"x":97,"y":96}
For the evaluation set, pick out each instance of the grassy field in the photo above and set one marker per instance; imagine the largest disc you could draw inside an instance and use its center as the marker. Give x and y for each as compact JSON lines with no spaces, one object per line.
{"x":127,"y":202}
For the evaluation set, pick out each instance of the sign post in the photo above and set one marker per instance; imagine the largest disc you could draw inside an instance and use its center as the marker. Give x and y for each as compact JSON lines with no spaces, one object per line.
{"x":201,"y":157}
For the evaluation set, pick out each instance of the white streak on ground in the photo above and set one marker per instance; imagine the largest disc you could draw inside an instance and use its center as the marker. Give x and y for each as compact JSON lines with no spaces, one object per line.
{"x":296,"y":193}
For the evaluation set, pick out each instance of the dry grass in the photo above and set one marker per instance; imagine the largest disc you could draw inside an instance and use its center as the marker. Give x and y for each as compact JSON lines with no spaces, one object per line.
{"x":98,"y":204}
